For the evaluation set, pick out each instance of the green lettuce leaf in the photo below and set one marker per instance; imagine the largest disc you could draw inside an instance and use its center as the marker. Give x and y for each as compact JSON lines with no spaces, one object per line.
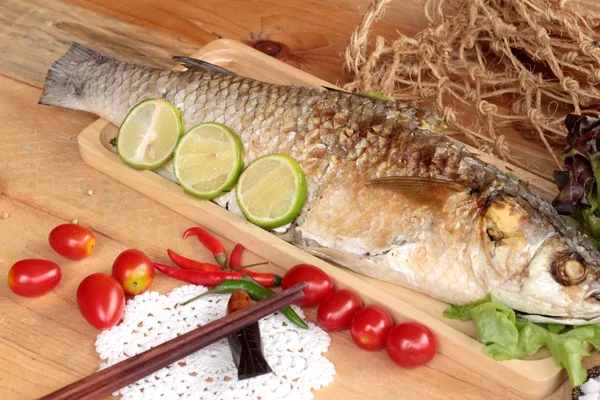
{"x":595,"y":340}
{"x":495,"y":324}
{"x":507,"y":337}
{"x":555,"y":328}
{"x":568,"y":349}
{"x":530,"y":341}
{"x":463,"y":313}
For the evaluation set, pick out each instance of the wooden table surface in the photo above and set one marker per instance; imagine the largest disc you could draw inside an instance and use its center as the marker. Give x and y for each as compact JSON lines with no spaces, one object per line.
{"x":44,"y":342}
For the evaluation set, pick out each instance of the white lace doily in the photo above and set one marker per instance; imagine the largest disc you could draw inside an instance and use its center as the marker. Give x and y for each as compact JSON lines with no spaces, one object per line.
{"x":294,"y":354}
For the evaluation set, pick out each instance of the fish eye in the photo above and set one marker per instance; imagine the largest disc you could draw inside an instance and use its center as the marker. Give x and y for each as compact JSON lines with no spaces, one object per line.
{"x":568,"y":269}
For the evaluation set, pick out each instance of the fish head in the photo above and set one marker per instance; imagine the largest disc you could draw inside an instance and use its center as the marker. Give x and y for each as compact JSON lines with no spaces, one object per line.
{"x":537,"y":264}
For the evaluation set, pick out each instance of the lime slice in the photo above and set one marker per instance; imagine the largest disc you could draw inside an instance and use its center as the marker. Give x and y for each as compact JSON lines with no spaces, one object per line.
{"x":149,"y":134}
{"x":208,"y":160}
{"x":271,"y":191}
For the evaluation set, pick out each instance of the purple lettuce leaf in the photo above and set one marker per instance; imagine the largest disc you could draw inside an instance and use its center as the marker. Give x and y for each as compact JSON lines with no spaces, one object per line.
{"x":578,"y":184}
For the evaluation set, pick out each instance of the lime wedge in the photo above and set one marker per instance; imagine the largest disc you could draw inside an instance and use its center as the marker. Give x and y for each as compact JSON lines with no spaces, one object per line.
{"x":149,"y":134}
{"x":271,"y":191}
{"x":208,"y":160}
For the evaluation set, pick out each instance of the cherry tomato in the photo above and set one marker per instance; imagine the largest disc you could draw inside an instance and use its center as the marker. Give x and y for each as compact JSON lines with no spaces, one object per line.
{"x":336,"y":312}
{"x":370,"y":327}
{"x":319,"y":287}
{"x":134,"y":271}
{"x":101,"y":300}
{"x":411,"y":344}
{"x":33,"y":277}
{"x":72,"y":241}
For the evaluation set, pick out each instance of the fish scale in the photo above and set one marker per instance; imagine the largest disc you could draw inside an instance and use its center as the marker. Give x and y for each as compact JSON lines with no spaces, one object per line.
{"x":388,"y":195}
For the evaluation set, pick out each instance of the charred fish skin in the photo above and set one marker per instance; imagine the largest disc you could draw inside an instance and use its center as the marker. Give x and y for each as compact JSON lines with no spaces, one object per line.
{"x":389,"y":196}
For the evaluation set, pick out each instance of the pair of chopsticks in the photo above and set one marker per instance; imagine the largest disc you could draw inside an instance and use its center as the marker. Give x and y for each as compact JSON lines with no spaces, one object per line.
{"x":115,"y":377}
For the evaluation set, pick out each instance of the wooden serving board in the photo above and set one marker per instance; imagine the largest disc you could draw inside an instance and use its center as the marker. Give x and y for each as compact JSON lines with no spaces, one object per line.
{"x":535,"y":378}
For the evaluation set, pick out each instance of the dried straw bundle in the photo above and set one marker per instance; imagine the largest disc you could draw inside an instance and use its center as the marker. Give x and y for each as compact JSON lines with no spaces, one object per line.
{"x":538,"y":58}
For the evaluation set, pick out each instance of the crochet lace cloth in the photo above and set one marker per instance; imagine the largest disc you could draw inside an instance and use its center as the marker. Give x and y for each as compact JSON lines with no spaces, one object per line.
{"x":294,"y":354}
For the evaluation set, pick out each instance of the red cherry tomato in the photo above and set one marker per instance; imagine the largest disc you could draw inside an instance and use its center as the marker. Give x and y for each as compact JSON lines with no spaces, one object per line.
{"x":134,"y":271}
{"x":101,"y":300}
{"x":336,"y":312}
{"x":411,"y":344}
{"x":370,"y":327}
{"x":72,"y":241}
{"x":319,"y":287}
{"x":33,"y":277}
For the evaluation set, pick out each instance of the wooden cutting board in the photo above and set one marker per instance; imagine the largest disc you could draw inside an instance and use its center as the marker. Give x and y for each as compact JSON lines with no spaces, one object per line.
{"x":536,"y":378}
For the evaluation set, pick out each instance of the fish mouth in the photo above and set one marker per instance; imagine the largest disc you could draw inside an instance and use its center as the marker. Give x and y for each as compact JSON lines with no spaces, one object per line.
{"x":549,"y":319}
{"x":595,"y":293}
{"x":592,"y":294}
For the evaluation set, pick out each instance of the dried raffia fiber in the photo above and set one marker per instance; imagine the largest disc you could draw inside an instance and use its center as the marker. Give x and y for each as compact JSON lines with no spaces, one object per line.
{"x":541,"y":58}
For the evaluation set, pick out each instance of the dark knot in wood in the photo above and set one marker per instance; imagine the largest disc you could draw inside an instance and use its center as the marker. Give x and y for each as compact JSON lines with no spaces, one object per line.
{"x":267,"y":47}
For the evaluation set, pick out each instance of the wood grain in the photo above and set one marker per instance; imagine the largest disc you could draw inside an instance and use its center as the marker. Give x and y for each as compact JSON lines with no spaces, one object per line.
{"x":309,"y":35}
{"x":36,"y":32}
{"x":43,"y":182}
{"x":33,"y":363}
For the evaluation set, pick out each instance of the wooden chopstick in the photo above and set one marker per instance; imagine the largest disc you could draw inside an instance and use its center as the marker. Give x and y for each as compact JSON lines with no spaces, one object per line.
{"x":126,"y":372}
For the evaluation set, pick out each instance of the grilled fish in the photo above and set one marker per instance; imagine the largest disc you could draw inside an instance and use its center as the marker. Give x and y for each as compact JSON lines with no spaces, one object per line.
{"x":389,"y":196}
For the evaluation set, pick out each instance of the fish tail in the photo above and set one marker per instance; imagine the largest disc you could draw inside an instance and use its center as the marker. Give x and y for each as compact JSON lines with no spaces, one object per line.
{"x":63,"y":86}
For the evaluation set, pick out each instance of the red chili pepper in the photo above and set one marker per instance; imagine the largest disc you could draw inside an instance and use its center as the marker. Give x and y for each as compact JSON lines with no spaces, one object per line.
{"x":235,"y":258}
{"x":212,"y":278}
{"x":260,"y":277}
{"x":210,"y":242}
{"x":188,"y":263}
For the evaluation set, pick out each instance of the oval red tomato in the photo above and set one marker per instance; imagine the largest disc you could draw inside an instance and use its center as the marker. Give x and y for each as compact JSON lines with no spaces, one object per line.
{"x":319,"y":283}
{"x":33,"y":277}
{"x":134,"y":271}
{"x":101,"y":300}
{"x":72,"y":241}
{"x":336,"y":312}
{"x":370,"y":327}
{"x":411,"y":344}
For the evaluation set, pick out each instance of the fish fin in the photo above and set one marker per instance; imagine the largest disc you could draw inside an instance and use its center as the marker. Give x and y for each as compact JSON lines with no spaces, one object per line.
{"x":418,"y":189}
{"x":60,"y":87}
{"x":192,"y":63}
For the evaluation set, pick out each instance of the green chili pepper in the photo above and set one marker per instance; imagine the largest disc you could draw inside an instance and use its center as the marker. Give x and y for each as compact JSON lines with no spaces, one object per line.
{"x":256,"y":292}
{"x":287,"y":311}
